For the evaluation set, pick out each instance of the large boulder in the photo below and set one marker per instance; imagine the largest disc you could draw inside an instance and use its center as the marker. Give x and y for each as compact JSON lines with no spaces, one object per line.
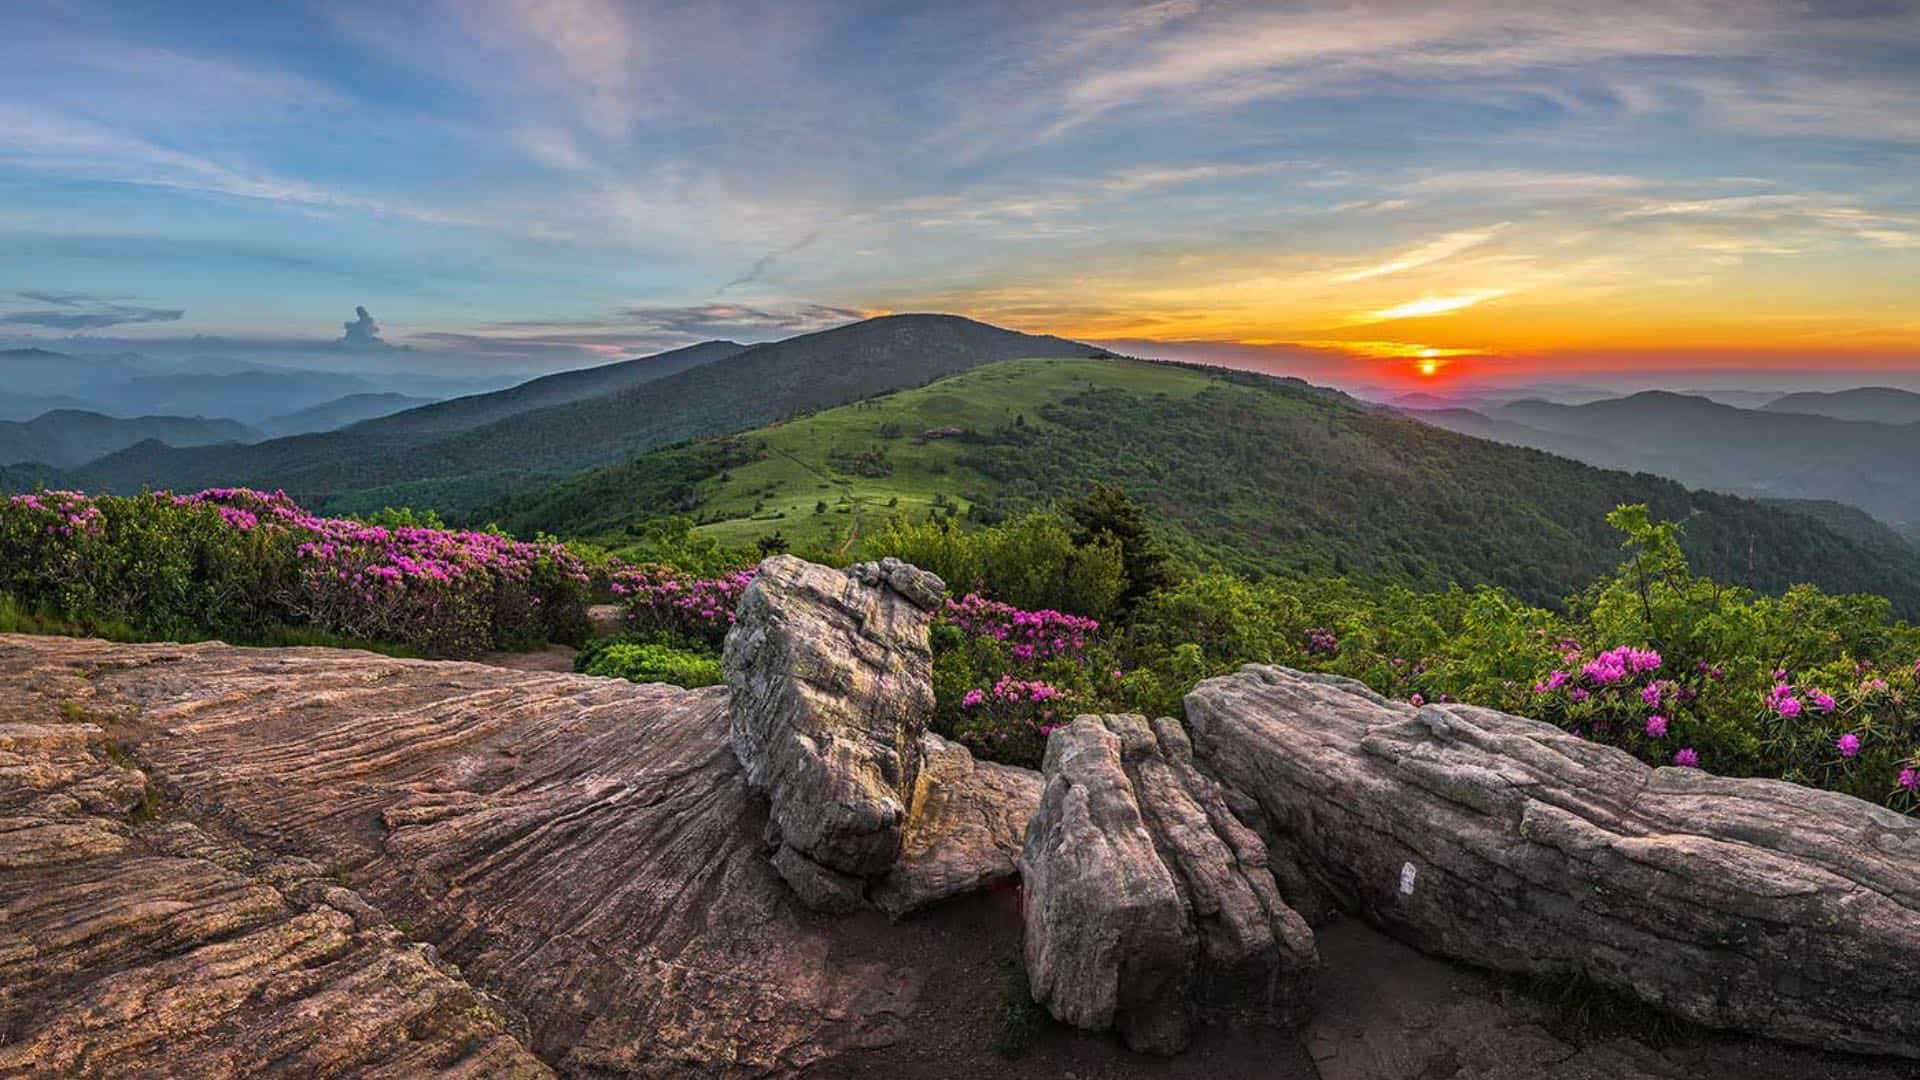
{"x":831,"y":677}
{"x":1748,"y":904}
{"x":1148,"y":906}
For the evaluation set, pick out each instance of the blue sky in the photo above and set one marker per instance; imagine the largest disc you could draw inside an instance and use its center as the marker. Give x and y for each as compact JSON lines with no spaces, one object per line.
{"x":1345,"y":188}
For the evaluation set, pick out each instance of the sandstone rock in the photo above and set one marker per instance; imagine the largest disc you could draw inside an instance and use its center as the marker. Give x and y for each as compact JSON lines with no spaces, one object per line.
{"x":1745,"y":904}
{"x":124,"y":946}
{"x":586,"y":850}
{"x":831,"y":681}
{"x":1148,"y":906}
{"x":964,"y":830}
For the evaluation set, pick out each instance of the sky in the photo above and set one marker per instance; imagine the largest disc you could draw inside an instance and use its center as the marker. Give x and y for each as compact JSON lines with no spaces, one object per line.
{"x":1354,"y":192}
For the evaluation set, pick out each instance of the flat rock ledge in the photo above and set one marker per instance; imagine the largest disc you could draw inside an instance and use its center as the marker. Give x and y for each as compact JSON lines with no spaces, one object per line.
{"x":1752,"y":905}
{"x":585,"y":854}
{"x":1148,"y":906}
{"x":124,"y":947}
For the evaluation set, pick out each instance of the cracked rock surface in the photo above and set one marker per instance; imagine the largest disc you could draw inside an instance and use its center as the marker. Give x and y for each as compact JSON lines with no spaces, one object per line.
{"x":586,"y":850}
{"x":832,"y":681}
{"x":1148,"y":906}
{"x":1752,"y":905}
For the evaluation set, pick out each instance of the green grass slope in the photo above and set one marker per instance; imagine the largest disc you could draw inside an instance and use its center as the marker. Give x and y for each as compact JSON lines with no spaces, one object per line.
{"x":1255,"y":474}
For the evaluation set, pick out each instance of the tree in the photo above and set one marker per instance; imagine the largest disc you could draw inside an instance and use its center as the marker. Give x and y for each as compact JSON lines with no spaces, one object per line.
{"x":771,"y":544}
{"x":1107,"y":512}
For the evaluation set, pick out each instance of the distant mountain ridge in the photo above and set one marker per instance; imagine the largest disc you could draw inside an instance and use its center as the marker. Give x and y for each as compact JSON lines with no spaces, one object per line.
{"x":66,"y":438}
{"x":410,"y":458}
{"x":341,"y":412}
{"x":548,"y":391}
{"x":1760,"y":453}
{"x":1876,"y":404}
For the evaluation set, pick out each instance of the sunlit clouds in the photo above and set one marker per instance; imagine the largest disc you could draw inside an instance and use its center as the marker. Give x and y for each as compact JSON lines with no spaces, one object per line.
{"x":1416,"y":191}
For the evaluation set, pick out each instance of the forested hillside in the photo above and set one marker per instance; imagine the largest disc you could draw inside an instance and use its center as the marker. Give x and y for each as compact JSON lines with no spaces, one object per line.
{"x":1259,"y":475}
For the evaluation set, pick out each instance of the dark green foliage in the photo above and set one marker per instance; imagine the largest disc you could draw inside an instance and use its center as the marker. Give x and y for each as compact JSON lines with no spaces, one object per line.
{"x":1106,"y":513}
{"x":666,"y":481}
{"x":1018,"y":1020}
{"x":1267,"y":477}
{"x":645,"y":661}
{"x":1032,"y":562}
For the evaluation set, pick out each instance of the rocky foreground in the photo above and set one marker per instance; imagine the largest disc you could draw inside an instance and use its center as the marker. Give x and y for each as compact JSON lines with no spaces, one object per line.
{"x":220,"y":862}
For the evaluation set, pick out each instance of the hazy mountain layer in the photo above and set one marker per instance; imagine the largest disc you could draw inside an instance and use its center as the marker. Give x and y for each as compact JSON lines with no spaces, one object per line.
{"x":66,"y":438}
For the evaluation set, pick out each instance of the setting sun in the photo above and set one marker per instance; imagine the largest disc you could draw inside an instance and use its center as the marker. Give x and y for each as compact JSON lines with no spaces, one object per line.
{"x":1429,"y":367}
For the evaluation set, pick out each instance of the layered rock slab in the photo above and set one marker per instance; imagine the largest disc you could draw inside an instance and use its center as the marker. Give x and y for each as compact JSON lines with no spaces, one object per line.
{"x":1747,"y":904}
{"x":586,"y":849}
{"x":1148,"y":906}
{"x":154,"y":948}
{"x":965,"y":827}
{"x":831,"y":675}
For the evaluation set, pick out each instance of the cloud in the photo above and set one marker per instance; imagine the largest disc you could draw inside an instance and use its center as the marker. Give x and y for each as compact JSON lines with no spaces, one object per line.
{"x":765,"y":262}
{"x":79,"y":311}
{"x":1430,"y":252}
{"x":1433,"y":305}
{"x":734,"y":320}
{"x":362,"y":332}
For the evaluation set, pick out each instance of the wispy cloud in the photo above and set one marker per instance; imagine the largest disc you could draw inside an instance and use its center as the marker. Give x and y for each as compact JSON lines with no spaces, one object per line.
{"x":77,"y":311}
{"x":1432,"y":251}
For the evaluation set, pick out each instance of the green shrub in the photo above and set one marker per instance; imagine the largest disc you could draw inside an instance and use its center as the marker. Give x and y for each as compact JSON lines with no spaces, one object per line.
{"x":652,"y":662}
{"x":1031,"y":561}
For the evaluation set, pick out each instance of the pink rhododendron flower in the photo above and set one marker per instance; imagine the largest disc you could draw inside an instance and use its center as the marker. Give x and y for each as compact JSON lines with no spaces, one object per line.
{"x":1849,"y":745}
{"x":1686,"y":758}
{"x":1657,"y":726}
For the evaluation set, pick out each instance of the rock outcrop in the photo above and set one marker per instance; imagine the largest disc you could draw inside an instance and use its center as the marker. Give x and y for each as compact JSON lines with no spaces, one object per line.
{"x":1148,"y":906}
{"x":587,"y":851}
{"x":1746,"y":904}
{"x":831,"y":677}
{"x":965,"y":827}
{"x":141,"y":949}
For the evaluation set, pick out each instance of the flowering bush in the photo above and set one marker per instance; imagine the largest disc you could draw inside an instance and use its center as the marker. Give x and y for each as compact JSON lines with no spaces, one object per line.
{"x":235,"y":562}
{"x":660,"y":599}
{"x":1005,"y":677}
{"x":1031,"y":636}
{"x":1011,"y":719}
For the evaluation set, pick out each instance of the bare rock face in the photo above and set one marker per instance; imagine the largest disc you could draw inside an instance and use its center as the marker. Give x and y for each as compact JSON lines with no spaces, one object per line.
{"x":586,"y":850}
{"x":1747,"y":904}
{"x":964,"y":831}
{"x":125,"y":945}
{"x":831,"y":677}
{"x":1148,"y":906}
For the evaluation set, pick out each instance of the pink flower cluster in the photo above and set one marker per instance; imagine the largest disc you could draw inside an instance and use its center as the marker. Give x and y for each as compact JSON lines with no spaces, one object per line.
{"x":1617,"y":665}
{"x":1787,"y":701}
{"x":1013,"y":703}
{"x":661,"y":598}
{"x":447,"y":591}
{"x":68,"y":513}
{"x":1032,"y":636}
